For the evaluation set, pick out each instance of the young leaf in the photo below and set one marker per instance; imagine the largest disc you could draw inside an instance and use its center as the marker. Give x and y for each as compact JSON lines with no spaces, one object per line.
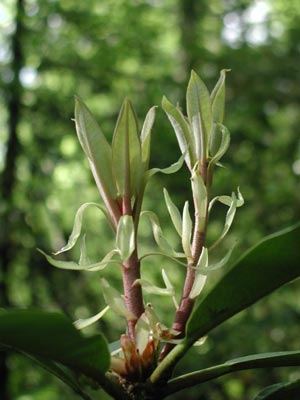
{"x":78,"y":225}
{"x":169,"y":286}
{"x":146,"y":136}
{"x":217,"y":265}
{"x":187,"y":227}
{"x":200,"y":114}
{"x":152,"y":289}
{"x":227,"y":200}
{"x":169,"y":170}
{"x":71,"y":265}
{"x":219,"y":143}
{"x":83,"y":323}
{"x":200,"y":197}
{"x":200,"y":279}
{"x":159,"y":237}
{"x":125,"y":242}
{"x":228,"y":221}
{"x":267,"y":266}
{"x":115,"y":301}
{"x":174,"y":213}
{"x":126,"y":148}
{"x":182,"y":130}
{"x":96,"y":148}
{"x":52,"y":336}
{"x":218,"y":98}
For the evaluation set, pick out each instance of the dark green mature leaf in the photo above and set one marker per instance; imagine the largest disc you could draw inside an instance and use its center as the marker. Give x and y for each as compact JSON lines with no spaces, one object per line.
{"x":267,"y":266}
{"x":63,"y":373}
{"x":52,"y":336}
{"x":265,"y":360}
{"x":281,"y":391}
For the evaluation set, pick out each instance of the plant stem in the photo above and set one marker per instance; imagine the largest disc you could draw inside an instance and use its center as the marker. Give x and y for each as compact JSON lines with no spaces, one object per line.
{"x":133,"y":294}
{"x":186,"y":304}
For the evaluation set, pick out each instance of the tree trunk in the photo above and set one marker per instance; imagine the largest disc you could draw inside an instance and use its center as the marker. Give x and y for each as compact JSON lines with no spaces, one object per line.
{"x":8,"y":178}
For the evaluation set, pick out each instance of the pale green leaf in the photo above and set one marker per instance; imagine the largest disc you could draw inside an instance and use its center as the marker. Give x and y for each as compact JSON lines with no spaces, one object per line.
{"x":169,"y":286}
{"x":217,"y":265}
{"x":218,"y":98}
{"x":187,"y":227}
{"x":174,"y":213}
{"x":114,"y":300}
{"x":199,"y":114}
{"x":169,"y":170}
{"x":78,"y":225}
{"x":84,"y":259}
{"x":96,"y":148}
{"x":219,"y":143}
{"x":148,"y":287}
{"x":126,"y":149}
{"x":182,"y":130}
{"x":71,"y":265}
{"x":228,"y":221}
{"x":125,"y":242}
{"x":84,"y":323}
{"x":200,"y":196}
{"x":227,"y":200}
{"x":200,"y":279}
{"x":159,"y":237}
{"x":146,"y":136}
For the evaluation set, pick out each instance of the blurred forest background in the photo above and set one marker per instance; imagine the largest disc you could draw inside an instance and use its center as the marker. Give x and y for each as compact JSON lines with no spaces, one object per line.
{"x":104,"y":50}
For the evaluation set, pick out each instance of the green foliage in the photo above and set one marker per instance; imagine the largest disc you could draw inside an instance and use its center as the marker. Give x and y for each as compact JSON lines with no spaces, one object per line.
{"x":53,"y":50}
{"x":52,"y":337}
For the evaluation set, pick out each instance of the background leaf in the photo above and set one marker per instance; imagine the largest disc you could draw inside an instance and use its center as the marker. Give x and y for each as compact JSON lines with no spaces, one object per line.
{"x":280,"y":391}
{"x":52,"y":336}
{"x":265,"y":360}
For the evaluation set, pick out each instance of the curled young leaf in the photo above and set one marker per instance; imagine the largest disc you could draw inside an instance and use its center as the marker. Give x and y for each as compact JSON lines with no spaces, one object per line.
{"x":148,"y":287}
{"x":218,"y":98}
{"x":200,"y":279}
{"x":169,"y":286}
{"x":169,"y":170}
{"x":84,"y":323}
{"x":182,"y":130}
{"x":174,"y":213}
{"x":159,"y":237}
{"x":227,"y":200}
{"x":228,"y":221}
{"x":78,"y":225}
{"x":219,"y":143}
{"x":125,"y":241}
{"x":115,"y":301}
{"x":71,"y":265}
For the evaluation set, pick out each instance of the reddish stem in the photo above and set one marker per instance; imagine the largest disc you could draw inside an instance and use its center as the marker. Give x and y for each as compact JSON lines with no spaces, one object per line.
{"x":133,"y":294}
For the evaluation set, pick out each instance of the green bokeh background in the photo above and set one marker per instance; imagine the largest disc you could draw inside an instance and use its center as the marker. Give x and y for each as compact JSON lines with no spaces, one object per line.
{"x":106,"y":50}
